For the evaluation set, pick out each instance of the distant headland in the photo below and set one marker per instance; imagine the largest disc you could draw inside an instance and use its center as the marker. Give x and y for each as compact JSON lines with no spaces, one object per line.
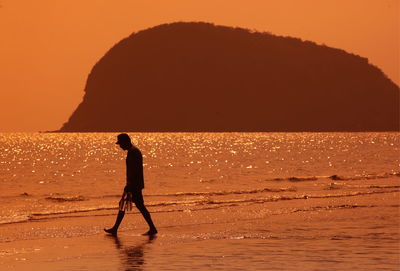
{"x":201,"y":77}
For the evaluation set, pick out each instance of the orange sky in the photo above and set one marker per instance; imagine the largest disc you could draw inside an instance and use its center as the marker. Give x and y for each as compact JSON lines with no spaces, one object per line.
{"x":48,"y":47}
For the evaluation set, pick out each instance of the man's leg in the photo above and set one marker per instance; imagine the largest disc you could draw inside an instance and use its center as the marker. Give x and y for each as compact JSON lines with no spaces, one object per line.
{"x":114,"y":229}
{"x":147,"y":217}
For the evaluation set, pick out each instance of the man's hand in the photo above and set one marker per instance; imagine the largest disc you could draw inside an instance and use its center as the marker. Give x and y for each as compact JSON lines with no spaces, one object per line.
{"x":128,"y":197}
{"x":125,"y":204}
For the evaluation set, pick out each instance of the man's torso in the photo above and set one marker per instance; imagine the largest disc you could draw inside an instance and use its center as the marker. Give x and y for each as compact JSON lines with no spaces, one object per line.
{"x":134,"y":169}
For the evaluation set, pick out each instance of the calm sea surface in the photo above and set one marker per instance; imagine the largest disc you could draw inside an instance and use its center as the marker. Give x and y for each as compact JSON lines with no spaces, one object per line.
{"x":45,"y":176}
{"x":80,"y":170}
{"x":83,"y":169}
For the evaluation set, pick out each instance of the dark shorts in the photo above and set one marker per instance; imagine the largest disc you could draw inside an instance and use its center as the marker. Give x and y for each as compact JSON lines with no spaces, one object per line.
{"x":137,"y":197}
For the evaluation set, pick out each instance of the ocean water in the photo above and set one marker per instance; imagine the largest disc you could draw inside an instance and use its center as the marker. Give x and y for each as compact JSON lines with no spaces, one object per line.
{"x":44,"y":174}
{"x":53,"y":176}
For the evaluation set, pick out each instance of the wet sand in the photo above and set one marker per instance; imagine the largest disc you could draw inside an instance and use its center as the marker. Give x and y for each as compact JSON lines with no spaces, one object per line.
{"x":354,"y":232}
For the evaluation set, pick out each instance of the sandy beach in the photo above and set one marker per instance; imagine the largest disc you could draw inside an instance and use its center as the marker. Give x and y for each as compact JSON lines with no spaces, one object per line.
{"x":354,"y":232}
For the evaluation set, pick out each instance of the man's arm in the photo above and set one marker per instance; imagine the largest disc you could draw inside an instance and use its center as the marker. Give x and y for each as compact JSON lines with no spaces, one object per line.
{"x":132,"y":168}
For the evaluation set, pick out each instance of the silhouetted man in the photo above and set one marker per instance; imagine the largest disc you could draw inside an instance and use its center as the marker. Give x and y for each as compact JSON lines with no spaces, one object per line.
{"x":134,"y":185}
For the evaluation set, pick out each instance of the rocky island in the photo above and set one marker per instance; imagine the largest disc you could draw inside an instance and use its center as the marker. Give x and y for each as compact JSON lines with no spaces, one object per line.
{"x":202,"y":77}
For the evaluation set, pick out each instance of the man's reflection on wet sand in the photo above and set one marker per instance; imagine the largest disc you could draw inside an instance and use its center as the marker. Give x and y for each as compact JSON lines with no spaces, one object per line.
{"x":132,"y":257}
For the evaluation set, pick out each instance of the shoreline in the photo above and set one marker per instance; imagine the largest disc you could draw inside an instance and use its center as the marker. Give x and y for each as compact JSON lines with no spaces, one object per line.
{"x":358,"y":231}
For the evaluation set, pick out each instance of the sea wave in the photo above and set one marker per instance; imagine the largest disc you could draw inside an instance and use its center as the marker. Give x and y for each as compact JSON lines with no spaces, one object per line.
{"x":191,"y":205}
{"x":222,"y":193}
{"x":338,"y":177}
{"x":64,"y":199}
{"x":14,"y":219}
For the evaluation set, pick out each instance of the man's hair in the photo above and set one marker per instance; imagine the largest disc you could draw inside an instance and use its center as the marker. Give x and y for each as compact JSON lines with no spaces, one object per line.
{"x":124,"y":138}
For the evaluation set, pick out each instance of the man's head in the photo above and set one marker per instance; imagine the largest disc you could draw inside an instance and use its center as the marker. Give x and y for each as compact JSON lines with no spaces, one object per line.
{"x":124,"y":141}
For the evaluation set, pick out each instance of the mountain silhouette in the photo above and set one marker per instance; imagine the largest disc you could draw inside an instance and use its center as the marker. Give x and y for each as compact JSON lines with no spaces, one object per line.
{"x":201,"y":77}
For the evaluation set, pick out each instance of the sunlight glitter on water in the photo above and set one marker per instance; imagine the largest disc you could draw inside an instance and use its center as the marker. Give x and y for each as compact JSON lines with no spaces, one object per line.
{"x":47,"y":157}
{"x":78,"y":165}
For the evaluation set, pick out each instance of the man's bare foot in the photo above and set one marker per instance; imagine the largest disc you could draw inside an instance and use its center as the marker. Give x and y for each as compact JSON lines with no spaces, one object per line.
{"x":150,"y":232}
{"x":111,"y":231}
